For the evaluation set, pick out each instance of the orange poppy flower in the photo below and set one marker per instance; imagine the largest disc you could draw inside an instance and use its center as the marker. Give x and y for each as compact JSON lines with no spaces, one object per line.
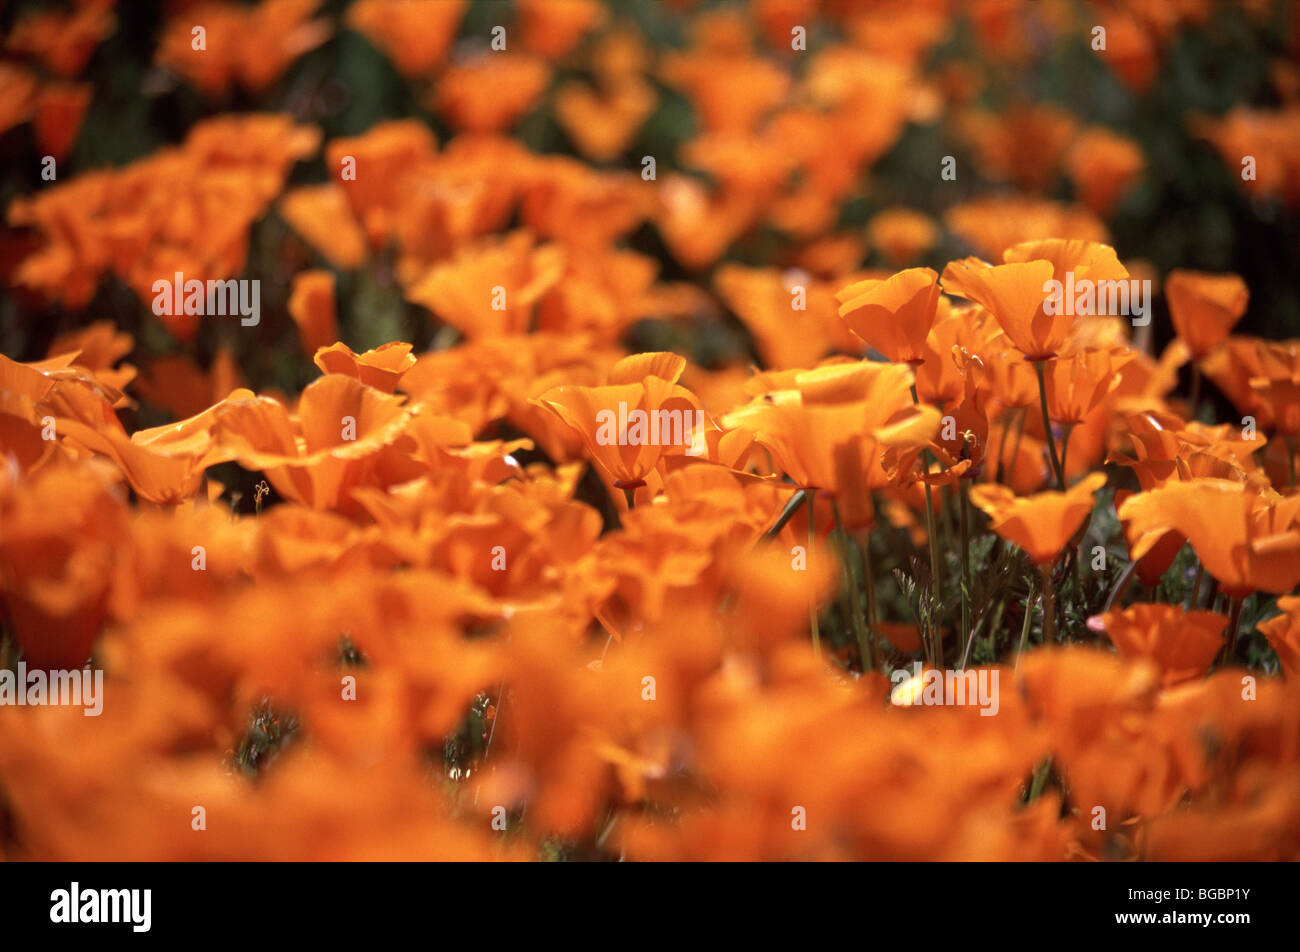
{"x":99,"y":346}
{"x":177,"y":384}
{"x":698,"y":225}
{"x":414,"y":34}
{"x":386,"y":158}
{"x":902,"y":234}
{"x":992,"y":225}
{"x":59,"y":111}
{"x":64,"y":42}
{"x":250,"y":46}
{"x":602,"y":123}
{"x":1078,"y":383}
{"x":63,"y":529}
{"x":1023,"y":144}
{"x":553,"y":31}
{"x":1277,"y":388}
{"x":835,"y":429}
{"x":731,"y":88}
{"x":491,"y":92}
{"x":320,"y":214}
{"x":492,"y":288}
{"x":311,"y":305}
{"x":1041,"y":524}
{"x":342,"y":438}
{"x":381,"y":368}
{"x":1182,"y":643}
{"x":772,"y":304}
{"x":637,"y":418}
{"x":1016,"y":293}
{"x":1251,"y":543}
{"x":1204,"y":307}
{"x":1283,"y":634}
{"x":1103,"y":166}
{"x":895,"y":315}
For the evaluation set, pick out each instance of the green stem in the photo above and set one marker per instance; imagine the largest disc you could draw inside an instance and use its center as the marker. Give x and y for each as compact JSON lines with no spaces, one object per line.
{"x":1121,"y":586}
{"x":1024,"y":628}
{"x":630,"y":496}
{"x":963,"y":505}
{"x":1065,"y":450}
{"x":935,"y":637}
{"x":812,"y":605}
{"x":935,"y":581}
{"x":1049,"y":607}
{"x":1040,"y":779}
{"x":1234,"y":622}
{"x":1047,"y":424}
{"x":1290,"y":458}
{"x":993,"y":628}
{"x":791,"y":507}
{"x":869,"y":584}
{"x":855,"y":603}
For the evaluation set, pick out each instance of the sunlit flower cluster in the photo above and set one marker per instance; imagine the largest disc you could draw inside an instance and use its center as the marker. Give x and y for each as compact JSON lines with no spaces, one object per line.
{"x":453,"y":600}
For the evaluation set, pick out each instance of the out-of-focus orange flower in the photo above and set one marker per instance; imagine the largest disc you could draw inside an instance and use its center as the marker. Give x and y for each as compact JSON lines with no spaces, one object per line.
{"x":602,"y":123}
{"x":1041,"y":524}
{"x":894,"y":315}
{"x":59,"y":111}
{"x":1269,"y":137}
{"x":994,"y":224}
{"x":697,"y":225}
{"x":375,"y":171}
{"x":492,"y":288}
{"x":60,"y":544}
{"x":17,"y":95}
{"x":792,"y":316}
{"x":1131,"y":49}
{"x":1204,"y":307}
{"x":1024,"y":144}
{"x":731,"y":88}
{"x":1103,"y":166}
{"x":64,"y":42}
{"x":491,"y":92}
{"x":1182,"y":643}
{"x":320,"y":213}
{"x":902,"y":234}
{"x":553,"y":31}
{"x":311,"y":305}
{"x":186,"y":209}
{"x":414,"y":34}
{"x":177,"y":384}
{"x":248,"y":46}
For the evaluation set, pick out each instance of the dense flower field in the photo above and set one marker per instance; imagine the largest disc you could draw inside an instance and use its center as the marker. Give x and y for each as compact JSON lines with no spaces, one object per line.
{"x":797,"y":429}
